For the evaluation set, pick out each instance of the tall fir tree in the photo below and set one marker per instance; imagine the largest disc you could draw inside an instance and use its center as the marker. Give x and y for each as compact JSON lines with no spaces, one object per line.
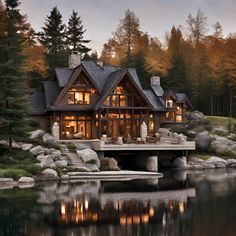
{"x":13,"y":93}
{"x":75,"y":34}
{"x":53,"y":39}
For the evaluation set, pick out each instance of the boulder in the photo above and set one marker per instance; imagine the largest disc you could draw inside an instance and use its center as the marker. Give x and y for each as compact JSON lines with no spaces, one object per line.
{"x":55,"y":154}
{"x":61,"y":164}
{"x":50,"y":173}
{"x":16,"y":145}
{"x":45,"y":160}
{"x":37,"y":150}
{"x":36,"y":134}
{"x":196,"y":160}
{"x":203,"y":140}
{"x":231,"y":161}
{"x":164,"y":132}
{"x":92,"y":167}
{"x":180,"y":162}
{"x":108,"y":163}
{"x":152,"y":164}
{"x":220,"y":146}
{"x":26,"y":180}
{"x":217,"y":162}
{"x":88,"y":155}
{"x":196,"y":115}
{"x":65,"y":177}
{"x":48,"y":139}
{"x":81,"y":146}
{"x":81,"y":169}
{"x":26,"y":146}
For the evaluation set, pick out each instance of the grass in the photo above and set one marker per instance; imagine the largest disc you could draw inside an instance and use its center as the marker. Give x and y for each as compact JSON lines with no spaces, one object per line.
{"x":17,"y":163}
{"x":220,"y":121}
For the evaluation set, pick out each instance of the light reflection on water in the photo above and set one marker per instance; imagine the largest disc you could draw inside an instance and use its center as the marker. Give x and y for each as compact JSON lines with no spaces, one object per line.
{"x":182,"y":203}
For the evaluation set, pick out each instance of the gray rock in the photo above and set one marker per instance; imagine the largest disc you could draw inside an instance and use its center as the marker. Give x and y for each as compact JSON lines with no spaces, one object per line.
{"x":196,"y":115}
{"x":92,"y":167}
{"x":65,"y":177}
{"x":203,"y":140}
{"x":48,"y":139}
{"x":81,"y":169}
{"x":217,"y":162}
{"x":180,"y":162}
{"x":164,"y":132}
{"x":220,"y":146}
{"x":88,"y":155}
{"x":152,"y":164}
{"x":26,"y":180}
{"x":50,"y":173}
{"x":26,"y":146}
{"x":55,"y":154}
{"x":108,"y":163}
{"x":45,"y":160}
{"x":81,"y":146}
{"x":16,"y":145}
{"x":196,"y":160}
{"x":231,"y":161}
{"x":4,"y":181}
{"x":208,"y":166}
{"x":36,"y":134}
{"x":37,"y":150}
{"x":61,"y":164}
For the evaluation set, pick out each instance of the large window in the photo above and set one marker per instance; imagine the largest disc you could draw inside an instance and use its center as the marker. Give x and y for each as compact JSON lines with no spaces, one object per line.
{"x":79,"y":97}
{"x":169,"y":103}
{"x":179,"y":114}
{"x":76,"y":127}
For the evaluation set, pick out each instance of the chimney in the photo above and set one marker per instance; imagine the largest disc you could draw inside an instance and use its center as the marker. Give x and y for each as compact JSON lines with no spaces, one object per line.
{"x":155,"y":80}
{"x":74,"y":59}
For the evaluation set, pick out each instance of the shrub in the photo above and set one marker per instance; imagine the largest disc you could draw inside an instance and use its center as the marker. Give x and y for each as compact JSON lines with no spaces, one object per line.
{"x":179,"y":129}
{"x":13,"y":173}
{"x":71,"y":147}
{"x":33,"y":169}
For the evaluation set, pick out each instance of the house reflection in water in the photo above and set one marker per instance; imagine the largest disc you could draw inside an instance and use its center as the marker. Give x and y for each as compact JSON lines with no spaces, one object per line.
{"x":84,"y":211}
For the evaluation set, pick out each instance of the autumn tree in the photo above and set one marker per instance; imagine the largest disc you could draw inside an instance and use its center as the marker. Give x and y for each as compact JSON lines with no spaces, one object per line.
{"x":75,"y":34}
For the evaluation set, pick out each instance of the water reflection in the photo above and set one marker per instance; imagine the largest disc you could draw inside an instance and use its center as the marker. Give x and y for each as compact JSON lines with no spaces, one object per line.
{"x":182,"y":203}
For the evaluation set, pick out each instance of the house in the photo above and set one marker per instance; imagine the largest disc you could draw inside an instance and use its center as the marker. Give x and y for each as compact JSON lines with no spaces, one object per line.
{"x":89,"y":99}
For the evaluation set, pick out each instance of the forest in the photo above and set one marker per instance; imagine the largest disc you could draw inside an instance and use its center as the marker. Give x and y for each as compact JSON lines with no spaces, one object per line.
{"x":190,"y":59}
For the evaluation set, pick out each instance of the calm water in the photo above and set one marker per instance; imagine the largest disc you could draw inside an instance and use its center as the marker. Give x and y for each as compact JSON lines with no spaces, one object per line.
{"x":182,"y":203}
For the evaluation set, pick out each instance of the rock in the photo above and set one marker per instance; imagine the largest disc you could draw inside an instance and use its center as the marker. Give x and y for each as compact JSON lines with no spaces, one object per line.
{"x":92,"y":167}
{"x":65,"y":177}
{"x":108,"y":163}
{"x":88,"y":155}
{"x":48,"y":139}
{"x":180,"y":162}
{"x":81,"y":169}
{"x":4,"y":142}
{"x":45,"y":160}
{"x":219,"y":146}
{"x":61,"y":164}
{"x":208,"y":165}
{"x":164,"y":132}
{"x":4,"y":181}
{"x":196,"y":160}
{"x":26,"y":146}
{"x":26,"y":180}
{"x":217,"y":162}
{"x":37,"y":150}
{"x":55,"y":154}
{"x":50,"y":173}
{"x":152,"y":164}
{"x":231,"y":161}
{"x":220,"y":129}
{"x":16,"y":145}
{"x":196,"y":115}
{"x":46,"y":151}
{"x":36,"y":134}
{"x":191,"y":133}
{"x":203,"y":140}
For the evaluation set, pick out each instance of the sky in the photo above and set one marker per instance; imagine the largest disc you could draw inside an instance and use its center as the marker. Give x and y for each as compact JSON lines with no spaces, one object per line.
{"x":101,"y":17}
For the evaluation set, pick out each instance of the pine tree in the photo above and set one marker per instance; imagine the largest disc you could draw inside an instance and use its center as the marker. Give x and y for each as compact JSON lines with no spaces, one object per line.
{"x":53,"y":39}
{"x":13,"y":112}
{"x":75,"y":34}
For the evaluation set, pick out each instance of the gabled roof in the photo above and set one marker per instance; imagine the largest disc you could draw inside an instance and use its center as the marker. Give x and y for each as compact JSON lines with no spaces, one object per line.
{"x":37,"y":103}
{"x":158,"y":90}
{"x":51,"y":91}
{"x":182,"y":98}
{"x":155,"y":101}
{"x":63,"y":75}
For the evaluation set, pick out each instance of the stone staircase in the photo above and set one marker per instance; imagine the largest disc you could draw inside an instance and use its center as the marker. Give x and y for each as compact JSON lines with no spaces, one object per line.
{"x":74,"y":160}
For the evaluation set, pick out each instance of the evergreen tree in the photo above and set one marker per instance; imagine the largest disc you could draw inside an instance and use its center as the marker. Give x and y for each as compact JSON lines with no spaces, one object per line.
{"x":75,"y":34}
{"x":13,"y":112}
{"x":53,"y":39}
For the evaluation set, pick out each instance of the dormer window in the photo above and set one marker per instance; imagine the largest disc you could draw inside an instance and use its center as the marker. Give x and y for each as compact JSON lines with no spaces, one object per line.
{"x":169,"y":103}
{"x":79,"y":98}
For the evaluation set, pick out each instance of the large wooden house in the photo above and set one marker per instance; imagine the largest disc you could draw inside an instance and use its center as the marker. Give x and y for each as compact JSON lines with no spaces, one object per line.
{"x":89,"y":99}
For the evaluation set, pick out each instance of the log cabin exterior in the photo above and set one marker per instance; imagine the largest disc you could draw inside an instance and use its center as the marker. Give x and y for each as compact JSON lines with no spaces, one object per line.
{"x":89,"y":99}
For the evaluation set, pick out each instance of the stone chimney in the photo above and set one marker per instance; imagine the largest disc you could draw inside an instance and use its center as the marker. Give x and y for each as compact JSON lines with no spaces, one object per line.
{"x":74,"y":59}
{"x":155,"y":80}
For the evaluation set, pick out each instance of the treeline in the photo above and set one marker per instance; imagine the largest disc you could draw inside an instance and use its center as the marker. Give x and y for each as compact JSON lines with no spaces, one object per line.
{"x":192,"y":61}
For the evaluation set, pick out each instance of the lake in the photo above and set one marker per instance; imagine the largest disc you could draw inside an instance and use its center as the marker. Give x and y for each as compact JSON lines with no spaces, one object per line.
{"x":201,"y":203}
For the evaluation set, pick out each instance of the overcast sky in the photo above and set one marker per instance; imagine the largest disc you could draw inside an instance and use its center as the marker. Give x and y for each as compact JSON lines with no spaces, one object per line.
{"x":101,"y":17}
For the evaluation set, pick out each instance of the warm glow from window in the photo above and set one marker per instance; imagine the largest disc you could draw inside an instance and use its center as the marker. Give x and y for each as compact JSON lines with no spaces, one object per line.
{"x":179,"y":110}
{"x":179,"y":118}
{"x":169,"y":103}
{"x":77,"y":97}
